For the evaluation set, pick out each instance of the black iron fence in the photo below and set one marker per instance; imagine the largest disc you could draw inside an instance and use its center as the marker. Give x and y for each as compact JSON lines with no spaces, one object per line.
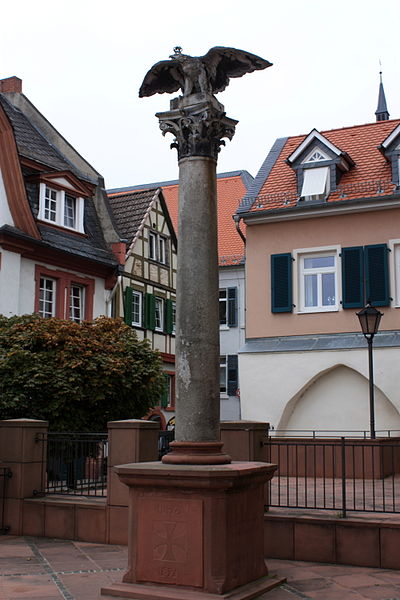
{"x":337,"y":474}
{"x":76,"y":463}
{"x":164,"y":439}
{"x":5,"y":474}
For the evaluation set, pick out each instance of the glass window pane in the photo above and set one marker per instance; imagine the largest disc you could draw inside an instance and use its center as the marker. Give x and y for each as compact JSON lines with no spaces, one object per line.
{"x":222,"y":374}
{"x":328,"y":289}
{"x":311,"y":290}
{"x":315,"y":262}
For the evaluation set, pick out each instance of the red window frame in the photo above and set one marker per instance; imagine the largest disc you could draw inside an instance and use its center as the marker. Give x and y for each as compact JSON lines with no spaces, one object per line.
{"x":63,"y":289}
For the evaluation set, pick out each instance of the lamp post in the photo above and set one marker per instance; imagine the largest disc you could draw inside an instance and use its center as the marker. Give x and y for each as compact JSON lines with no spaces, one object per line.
{"x":370,"y":318}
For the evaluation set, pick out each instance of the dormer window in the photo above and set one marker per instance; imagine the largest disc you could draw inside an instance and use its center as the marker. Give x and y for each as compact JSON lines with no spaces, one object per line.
{"x":61,"y":208}
{"x":318,"y":164}
{"x":390,"y":147}
{"x":316,"y":184}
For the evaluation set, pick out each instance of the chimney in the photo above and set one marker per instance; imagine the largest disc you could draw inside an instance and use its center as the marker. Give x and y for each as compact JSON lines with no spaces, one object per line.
{"x":10,"y":85}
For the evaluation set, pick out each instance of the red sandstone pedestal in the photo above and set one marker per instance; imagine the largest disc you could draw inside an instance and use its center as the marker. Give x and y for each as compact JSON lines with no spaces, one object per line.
{"x":195,"y":532}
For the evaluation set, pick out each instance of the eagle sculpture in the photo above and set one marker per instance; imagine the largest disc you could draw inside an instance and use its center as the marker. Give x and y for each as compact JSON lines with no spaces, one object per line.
{"x":207,"y":74}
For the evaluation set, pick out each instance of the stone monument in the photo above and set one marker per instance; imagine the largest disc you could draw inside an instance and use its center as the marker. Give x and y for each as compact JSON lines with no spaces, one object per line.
{"x":196,"y":521}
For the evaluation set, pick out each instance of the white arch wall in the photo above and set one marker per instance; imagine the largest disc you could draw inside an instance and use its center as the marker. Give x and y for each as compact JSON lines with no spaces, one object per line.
{"x":339,"y":399}
{"x":270,"y":380}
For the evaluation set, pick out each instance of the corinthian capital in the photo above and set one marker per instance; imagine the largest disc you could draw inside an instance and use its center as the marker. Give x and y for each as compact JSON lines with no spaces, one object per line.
{"x":199,"y":124}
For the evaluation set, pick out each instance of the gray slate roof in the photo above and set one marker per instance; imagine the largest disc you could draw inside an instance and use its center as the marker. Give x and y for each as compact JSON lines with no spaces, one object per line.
{"x":32,"y":144}
{"x":129,"y":211}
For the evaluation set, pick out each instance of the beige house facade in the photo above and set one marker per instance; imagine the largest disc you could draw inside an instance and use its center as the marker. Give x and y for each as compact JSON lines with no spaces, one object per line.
{"x":323,"y":238}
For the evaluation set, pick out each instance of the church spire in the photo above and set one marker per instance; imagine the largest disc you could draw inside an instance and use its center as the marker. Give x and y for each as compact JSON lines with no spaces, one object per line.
{"x":381,"y":112}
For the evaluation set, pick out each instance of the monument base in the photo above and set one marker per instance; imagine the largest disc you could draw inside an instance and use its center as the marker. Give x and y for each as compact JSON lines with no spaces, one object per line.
{"x":161,"y":592}
{"x":195,"y":531}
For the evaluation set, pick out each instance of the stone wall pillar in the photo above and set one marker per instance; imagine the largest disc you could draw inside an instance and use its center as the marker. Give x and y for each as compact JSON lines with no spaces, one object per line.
{"x":129,"y":441}
{"x":243,"y":440}
{"x":23,"y":450}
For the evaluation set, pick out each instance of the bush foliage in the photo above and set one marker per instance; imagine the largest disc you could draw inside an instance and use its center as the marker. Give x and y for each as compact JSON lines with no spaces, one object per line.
{"x":76,"y":376}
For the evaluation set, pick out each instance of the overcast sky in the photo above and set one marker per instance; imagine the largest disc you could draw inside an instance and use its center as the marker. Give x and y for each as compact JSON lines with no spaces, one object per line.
{"x":82,"y":63}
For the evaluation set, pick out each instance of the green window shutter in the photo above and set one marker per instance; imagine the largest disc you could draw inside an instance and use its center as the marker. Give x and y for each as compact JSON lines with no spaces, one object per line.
{"x":353,"y":277}
{"x":232,"y":307}
{"x":169,"y":325}
{"x":377,"y":275}
{"x":281,"y":283}
{"x":232,"y":374}
{"x":150,"y":312}
{"x":164,"y":400}
{"x":128,"y":306}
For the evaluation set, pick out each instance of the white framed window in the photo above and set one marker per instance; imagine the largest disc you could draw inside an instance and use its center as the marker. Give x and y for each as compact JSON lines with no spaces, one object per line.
{"x":158,"y":249}
{"x":159,"y":314}
{"x":223,"y":306}
{"x":47,"y":297}
{"x":61,"y":208}
{"x":77,"y":303}
{"x":137,"y":300}
{"x":317,"y":282}
{"x":152,"y":245}
{"x":162,"y":250}
{"x":394,"y":270}
{"x":50,"y":204}
{"x":316,"y":183}
{"x":223,"y":375}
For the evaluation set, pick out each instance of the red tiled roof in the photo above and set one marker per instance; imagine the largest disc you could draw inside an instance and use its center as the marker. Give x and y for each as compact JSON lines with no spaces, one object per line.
{"x":371,"y":175}
{"x":230,"y":191}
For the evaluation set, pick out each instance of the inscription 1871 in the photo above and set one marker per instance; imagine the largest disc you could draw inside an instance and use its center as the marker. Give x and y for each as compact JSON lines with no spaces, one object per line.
{"x":170,"y":548}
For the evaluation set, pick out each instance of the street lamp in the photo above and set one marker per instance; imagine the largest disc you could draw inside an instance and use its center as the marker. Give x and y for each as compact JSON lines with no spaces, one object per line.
{"x":370,"y":318}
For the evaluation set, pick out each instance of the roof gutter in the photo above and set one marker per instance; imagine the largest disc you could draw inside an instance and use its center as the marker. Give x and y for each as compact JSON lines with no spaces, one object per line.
{"x":322,"y":209}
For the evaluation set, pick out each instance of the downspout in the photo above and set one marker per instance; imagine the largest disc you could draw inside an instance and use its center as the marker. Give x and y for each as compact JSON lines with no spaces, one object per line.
{"x":112,"y":294}
{"x":237,"y":218}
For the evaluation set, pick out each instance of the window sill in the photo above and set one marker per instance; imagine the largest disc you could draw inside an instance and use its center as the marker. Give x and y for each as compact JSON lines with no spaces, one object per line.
{"x":318,"y":310}
{"x":62,"y":227}
{"x":224,"y":396}
{"x":224,"y":327}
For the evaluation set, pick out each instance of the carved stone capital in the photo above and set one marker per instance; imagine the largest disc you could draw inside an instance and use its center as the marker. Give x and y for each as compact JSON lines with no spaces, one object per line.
{"x":199,"y":125}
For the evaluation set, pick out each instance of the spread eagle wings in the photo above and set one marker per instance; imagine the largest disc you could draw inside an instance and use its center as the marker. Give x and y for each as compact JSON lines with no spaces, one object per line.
{"x":220,"y":63}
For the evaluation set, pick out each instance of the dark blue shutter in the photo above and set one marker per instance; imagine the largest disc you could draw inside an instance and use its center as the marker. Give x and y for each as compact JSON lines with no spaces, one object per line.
{"x":377,"y":274}
{"x":353,"y":277}
{"x":128,"y":306}
{"x":232,"y":374}
{"x":281,"y":283}
{"x":232,"y":307}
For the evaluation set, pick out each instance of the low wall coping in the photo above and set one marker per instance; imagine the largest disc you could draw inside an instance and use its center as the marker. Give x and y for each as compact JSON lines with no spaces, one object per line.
{"x":133,"y":424}
{"x":244,"y":425}
{"x":24,"y":423}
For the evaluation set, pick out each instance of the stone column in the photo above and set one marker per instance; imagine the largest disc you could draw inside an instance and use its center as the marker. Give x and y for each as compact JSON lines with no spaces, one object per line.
{"x":199,"y":123}
{"x":23,"y":450}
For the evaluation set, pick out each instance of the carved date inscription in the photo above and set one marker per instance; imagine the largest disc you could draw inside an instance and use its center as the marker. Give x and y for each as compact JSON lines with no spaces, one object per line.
{"x":170,"y":544}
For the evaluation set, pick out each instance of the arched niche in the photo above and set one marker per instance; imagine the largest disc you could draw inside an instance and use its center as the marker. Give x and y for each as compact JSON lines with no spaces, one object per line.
{"x":338,"y":399}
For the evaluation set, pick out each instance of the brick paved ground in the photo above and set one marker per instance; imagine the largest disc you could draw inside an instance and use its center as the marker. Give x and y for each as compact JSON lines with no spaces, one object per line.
{"x":58,"y":569}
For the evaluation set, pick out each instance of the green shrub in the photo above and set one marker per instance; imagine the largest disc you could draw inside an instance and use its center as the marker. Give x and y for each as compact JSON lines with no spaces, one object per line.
{"x":76,"y":376}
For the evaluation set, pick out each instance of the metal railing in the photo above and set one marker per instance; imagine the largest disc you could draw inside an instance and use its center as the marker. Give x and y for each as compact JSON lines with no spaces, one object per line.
{"x":164,"y":439}
{"x":333,"y":433}
{"x":5,"y":474}
{"x":76,"y":463}
{"x":335,"y":474}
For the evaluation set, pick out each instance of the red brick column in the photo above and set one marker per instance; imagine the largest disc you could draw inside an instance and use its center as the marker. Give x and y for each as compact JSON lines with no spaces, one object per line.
{"x":130,"y":441}
{"x":25,"y":456}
